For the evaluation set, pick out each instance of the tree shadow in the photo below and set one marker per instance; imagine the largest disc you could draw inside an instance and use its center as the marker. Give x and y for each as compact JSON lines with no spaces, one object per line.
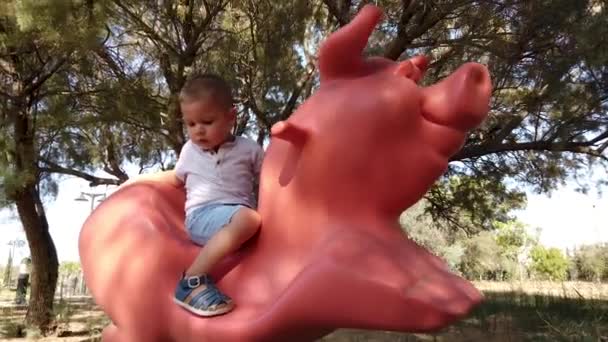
{"x":542,"y":317}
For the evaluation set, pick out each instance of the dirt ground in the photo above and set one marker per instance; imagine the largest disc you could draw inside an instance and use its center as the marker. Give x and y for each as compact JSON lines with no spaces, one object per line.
{"x":85,"y":323}
{"x":538,"y":311}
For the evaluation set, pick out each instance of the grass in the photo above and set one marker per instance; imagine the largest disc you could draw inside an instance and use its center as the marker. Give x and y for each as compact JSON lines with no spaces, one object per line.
{"x":528,"y":311}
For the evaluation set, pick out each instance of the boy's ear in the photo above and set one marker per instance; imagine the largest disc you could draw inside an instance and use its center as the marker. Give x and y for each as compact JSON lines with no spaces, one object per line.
{"x":232,"y":113}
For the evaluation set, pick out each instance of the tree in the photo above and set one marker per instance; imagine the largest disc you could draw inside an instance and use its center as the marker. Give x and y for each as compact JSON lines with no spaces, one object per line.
{"x":481,"y":259}
{"x":68,"y":270}
{"x":250,"y":43}
{"x":79,"y":75}
{"x":591,"y":262}
{"x":472,"y":204}
{"x":549,"y":263}
{"x":67,"y":91}
{"x":547,"y":119}
{"x":40,"y":43}
{"x":515,"y":245}
{"x":420,"y":228}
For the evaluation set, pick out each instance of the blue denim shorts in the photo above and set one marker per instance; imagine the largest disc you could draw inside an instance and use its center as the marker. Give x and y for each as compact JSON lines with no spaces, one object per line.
{"x":203,"y":222}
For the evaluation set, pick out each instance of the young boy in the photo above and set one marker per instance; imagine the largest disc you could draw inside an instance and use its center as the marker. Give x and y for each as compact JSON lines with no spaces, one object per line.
{"x":220,"y":173}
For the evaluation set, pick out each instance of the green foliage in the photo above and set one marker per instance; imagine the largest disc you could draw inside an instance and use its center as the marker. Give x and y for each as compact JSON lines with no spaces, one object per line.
{"x":128,"y":60}
{"x":49,"y":42}
{"x":419,"y":226}
{"x":95,"y":84}
{"x":48,"y":18}
{"x":472,"y":204}
{"x":499,"y":254}
{"x":515,"y":243}
{"x":69,"y":268}
{"x":549,"y":263}
{"x":545,"y":87}
{"x":43,"y":48}
{"x":591,"y":262}
{"x":511,"y":237}
{"x":481,"y":259}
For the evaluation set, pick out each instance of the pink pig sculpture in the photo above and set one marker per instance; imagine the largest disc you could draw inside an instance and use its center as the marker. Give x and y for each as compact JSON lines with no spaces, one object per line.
{"x":330,"y":254}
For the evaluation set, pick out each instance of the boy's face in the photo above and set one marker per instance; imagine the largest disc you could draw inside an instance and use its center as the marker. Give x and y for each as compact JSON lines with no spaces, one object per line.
{"x":208,"y":125}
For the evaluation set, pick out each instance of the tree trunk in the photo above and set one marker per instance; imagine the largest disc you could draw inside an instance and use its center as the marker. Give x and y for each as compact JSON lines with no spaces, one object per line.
{"x":44,"y":259}
{"x":26,"y":197}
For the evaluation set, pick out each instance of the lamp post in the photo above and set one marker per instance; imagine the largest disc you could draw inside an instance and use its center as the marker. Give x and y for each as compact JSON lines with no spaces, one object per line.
{"x":89,"y":196}
{"x":86,"y":197}
{"x":14,"y":244}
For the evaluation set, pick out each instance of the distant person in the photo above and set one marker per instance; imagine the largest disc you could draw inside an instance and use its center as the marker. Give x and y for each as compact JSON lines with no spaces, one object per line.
{"x":74,"y":285}
{"x":23,"y":281}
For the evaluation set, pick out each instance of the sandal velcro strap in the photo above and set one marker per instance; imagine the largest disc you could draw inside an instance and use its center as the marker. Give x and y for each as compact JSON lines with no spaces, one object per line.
{"x":196,"y":281}
{"x":209,"y":301}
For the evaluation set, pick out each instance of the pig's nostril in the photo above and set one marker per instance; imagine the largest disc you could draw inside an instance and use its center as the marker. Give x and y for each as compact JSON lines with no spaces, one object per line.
{"x":478,"y":76}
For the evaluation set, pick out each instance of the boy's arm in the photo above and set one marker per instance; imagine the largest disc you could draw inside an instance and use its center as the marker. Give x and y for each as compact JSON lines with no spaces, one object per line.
{"x":168,"y":177}
{"x":173,"y":177}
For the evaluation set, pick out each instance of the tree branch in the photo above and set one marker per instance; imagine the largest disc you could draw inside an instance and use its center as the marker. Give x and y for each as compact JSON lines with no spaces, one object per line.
{"x":547,"y":146}
{"x":339,"y":11}
{"x":424,"y":24}
{"x":599,"y":138}
{"x":114,"y":167}
{"x":149,"y":31}
{"x":258,"y":114}
{"x":293,"y":99}
{"x":507,"y":129}
{"x":93,"y":180}
{"x":39,"y":81}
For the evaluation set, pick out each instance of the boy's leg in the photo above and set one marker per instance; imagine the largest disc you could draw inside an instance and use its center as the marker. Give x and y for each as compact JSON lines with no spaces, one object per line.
{"x":244,"y":224}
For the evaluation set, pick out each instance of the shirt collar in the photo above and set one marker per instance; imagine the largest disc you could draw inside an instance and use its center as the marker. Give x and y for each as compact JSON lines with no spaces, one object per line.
{"x":228,"y":143}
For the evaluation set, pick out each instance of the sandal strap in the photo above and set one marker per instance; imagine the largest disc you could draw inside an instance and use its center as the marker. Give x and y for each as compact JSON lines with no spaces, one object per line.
{"x":210,"y":296}
{"x":193,"y":282}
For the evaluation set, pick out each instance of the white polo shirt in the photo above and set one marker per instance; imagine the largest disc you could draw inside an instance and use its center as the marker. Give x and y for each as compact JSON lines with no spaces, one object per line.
{"x":226,"y":176}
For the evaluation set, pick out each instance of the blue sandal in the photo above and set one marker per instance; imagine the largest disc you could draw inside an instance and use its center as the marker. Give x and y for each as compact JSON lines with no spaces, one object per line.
{"x":208,"y":302}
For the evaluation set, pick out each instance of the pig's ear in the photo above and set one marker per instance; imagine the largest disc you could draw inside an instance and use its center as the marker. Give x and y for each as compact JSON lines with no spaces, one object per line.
{"x":291,"y":132}
{"x":413,"y":68}
{"x":340,"y":54}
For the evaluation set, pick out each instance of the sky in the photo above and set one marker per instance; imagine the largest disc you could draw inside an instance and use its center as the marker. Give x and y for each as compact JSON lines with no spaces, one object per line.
{"x":65,"y":216}
{"x":567,"y":219}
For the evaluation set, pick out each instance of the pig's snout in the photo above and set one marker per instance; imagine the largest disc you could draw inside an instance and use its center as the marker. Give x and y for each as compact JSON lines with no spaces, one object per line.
{"x":461,"y":100}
